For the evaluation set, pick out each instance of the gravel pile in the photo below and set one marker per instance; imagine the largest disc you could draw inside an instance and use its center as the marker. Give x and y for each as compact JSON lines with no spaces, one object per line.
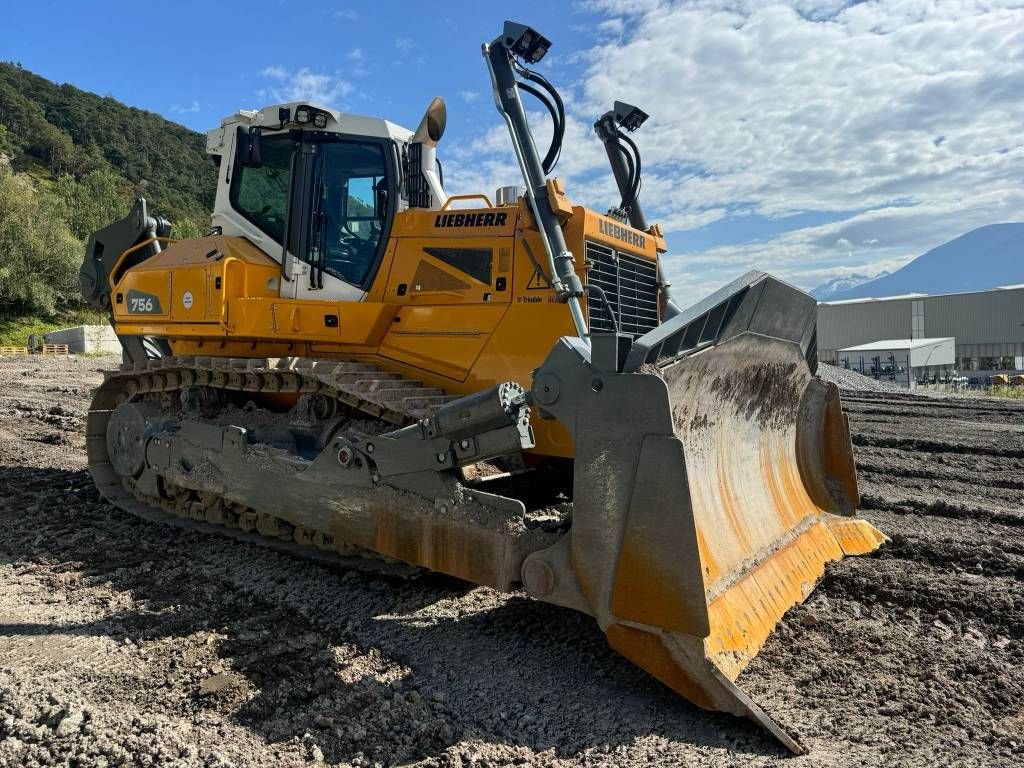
{"x":126,"y":642}
{"x":847,"y":379}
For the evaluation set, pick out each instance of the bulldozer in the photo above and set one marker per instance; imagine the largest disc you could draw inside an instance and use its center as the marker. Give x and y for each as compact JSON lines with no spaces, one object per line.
{"x":355,"y":366}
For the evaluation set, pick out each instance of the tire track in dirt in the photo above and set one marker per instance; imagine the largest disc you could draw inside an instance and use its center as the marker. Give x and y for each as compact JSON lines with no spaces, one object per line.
{"x":990,"y":550}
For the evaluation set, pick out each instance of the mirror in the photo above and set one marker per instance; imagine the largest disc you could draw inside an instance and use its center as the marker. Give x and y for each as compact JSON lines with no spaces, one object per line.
{"x":247,"y":147}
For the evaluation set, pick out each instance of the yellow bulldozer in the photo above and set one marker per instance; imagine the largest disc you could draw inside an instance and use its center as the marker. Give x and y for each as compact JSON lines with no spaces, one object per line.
{"x":355,"y":365}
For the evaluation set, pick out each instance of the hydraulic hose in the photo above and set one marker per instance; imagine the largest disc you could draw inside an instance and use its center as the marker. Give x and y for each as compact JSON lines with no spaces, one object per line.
{"x":556,"y":107}
{"x":636,"y":166}
{"x":554,"y":149}
{"x":590,"y":288}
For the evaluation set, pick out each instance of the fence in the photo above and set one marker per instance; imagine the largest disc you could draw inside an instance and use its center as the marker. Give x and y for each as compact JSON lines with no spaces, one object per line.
{"x":897,"y":370}
{"x":880,"y":367}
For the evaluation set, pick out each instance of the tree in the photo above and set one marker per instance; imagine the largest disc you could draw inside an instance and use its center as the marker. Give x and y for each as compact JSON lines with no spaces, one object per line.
{"x":39,"y":255}
{"x":99,"y":198}
{"x":166,"y":158}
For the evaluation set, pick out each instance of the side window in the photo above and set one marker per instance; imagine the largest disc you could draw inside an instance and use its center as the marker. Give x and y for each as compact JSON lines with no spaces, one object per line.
{"x":475,"y":262}
{"x":360,"y":196}
{"x":261,"y":194}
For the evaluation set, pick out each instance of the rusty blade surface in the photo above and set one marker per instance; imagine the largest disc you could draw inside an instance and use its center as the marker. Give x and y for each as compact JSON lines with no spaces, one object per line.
{"x":709,"y":496}
{"x":769,"y":465}
{"x":769,"y":470}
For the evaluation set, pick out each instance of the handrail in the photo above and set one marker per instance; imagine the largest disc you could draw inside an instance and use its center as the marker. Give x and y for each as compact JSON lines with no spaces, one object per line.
{"x":453,"y":198}
{"x":144,"y":243}
{"x":224,"y":291}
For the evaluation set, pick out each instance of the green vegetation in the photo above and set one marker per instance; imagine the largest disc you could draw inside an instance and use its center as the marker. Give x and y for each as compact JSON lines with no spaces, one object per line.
{"x":72,"y":162}
{"x":1013,"y":392}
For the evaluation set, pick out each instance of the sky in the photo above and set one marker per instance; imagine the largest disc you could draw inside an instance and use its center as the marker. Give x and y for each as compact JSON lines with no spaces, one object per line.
{"x":812,"y":139}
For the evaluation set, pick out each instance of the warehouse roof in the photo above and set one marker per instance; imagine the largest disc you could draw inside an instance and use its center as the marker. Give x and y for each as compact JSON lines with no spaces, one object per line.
{"x":886,"y":344}
{"x":920,"y":295}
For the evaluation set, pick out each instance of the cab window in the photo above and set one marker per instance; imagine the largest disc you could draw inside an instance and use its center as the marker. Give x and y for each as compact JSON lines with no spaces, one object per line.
{"x":261,"y":194}
{"x":353,"y":208}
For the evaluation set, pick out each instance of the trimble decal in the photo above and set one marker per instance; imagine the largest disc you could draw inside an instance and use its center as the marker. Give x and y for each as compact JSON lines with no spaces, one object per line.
{"x":624,"y":234}
{"x":471,"y":219}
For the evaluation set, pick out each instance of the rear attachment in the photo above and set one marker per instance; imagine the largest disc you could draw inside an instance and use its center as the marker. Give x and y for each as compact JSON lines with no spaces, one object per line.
{"x":714,"y":479}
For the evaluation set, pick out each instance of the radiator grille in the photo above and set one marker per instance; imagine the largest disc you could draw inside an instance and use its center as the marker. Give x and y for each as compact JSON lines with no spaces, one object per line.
{"x":631,"y":285}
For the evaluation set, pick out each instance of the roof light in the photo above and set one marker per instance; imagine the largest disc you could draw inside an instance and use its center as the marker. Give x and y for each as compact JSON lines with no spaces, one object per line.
{"x":320,"y":119}
{"x":628,"y":116}
{"x":525,"y":42}
{"x":302,"y":115}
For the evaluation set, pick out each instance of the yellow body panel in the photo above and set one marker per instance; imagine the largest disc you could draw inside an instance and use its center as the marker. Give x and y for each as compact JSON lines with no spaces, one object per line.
{"x":423,"y":317}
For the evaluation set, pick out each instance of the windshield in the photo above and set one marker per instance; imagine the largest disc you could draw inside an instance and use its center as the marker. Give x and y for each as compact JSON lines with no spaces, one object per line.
{"x":348,"y":213}
{"x":352,"y":202}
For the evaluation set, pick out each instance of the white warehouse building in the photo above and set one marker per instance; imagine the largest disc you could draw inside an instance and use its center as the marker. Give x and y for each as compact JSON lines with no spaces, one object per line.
{"x":903,"y":361}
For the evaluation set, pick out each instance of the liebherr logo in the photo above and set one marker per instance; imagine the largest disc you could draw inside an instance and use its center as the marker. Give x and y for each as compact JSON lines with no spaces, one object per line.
{"x":621,"y":233}
{"x":471,"y":219}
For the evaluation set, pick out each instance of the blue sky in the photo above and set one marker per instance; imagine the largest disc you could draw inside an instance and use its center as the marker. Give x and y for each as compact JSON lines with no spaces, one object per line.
{"x":810,"y":138}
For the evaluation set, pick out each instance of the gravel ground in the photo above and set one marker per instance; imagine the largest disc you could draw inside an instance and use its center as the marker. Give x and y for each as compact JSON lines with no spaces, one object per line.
{"x":124,"y":642}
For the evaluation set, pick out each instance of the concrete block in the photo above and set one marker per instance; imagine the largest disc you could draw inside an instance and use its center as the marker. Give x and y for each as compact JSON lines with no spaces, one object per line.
{"x":87,"y":339}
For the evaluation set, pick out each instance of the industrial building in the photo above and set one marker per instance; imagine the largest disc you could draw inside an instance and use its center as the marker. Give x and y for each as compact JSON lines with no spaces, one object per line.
{"x":907,"y":362}
{"x":988,"y":326}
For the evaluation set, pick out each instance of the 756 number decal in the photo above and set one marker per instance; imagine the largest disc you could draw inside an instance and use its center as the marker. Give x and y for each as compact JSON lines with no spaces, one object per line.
{"x":140,"y":303}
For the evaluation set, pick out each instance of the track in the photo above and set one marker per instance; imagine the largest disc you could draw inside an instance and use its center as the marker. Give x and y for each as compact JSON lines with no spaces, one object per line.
{"x":328,"y":391}
{"x":127,"y":640}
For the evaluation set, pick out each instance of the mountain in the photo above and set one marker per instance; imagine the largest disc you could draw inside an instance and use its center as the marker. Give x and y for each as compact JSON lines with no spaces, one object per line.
{"x":829,"y":289}
{"x":984,"y":258}
{"x":71,"y":162}
{"x":49,"y":130}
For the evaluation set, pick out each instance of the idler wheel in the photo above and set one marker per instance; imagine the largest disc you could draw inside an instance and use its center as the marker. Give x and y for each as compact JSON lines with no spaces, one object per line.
{"x":126,"y":437}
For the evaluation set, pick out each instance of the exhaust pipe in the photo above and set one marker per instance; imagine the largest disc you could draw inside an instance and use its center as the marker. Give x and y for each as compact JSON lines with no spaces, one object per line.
{"x":425,"y":187}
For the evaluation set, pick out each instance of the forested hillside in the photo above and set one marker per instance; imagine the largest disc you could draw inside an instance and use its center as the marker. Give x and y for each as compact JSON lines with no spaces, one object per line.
{"x":71,"y":162}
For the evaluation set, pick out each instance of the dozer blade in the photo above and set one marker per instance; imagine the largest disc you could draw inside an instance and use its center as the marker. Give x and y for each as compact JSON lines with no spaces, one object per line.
{"x":714,"y":479}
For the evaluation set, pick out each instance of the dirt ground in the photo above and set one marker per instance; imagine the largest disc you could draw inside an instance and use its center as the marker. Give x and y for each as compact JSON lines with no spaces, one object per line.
{"x":125,"y":642}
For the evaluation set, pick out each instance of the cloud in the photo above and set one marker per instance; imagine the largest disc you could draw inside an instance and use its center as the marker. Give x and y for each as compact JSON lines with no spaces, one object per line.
{"x":356,"y":54}
{"x":180,"y":110}
{"x":898,"y":122}
{"x":277,"y":73}
{"x":611,"y":27}
{"x":469,"y":96}
{"x":303,"y":85}
{"x":346,"y":14}
{"x":404,"y":43}
{"x":906,"y":113}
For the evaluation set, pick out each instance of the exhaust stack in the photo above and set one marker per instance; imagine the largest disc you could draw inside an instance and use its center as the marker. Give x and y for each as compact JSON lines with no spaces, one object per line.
{"x":425,"y":185}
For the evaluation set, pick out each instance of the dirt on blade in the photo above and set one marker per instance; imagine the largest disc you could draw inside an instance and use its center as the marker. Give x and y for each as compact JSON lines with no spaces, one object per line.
{"x":125,"y":642}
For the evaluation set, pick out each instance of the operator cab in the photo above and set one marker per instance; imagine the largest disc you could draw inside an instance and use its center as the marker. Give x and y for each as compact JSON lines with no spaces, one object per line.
{"x":314,"y":189}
